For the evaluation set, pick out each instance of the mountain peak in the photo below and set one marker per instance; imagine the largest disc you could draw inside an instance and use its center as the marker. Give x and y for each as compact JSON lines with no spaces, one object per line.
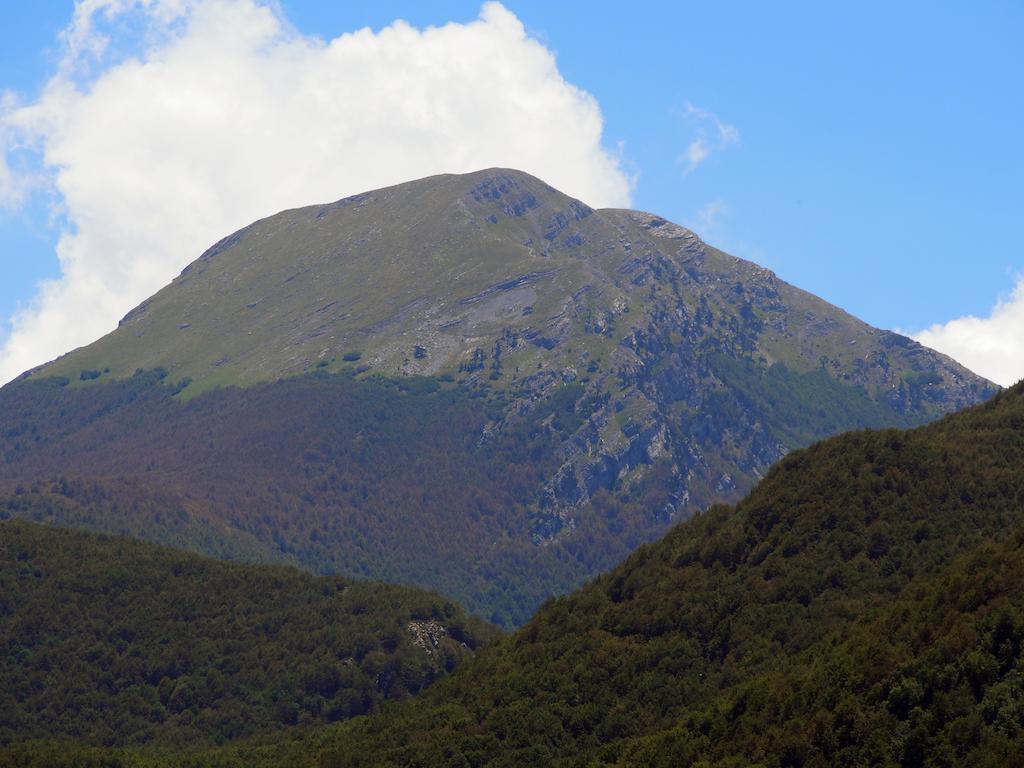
{"x":496,"y":279}
{"x":490,"y":193}
{"x":516,"y":192}
{"x":647,"y":368}
{"x":422,"y":277}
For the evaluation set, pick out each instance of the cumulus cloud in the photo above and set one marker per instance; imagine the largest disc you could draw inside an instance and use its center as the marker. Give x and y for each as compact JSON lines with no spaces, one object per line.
{"x":991,"y":346}
{"x":213,"y":113}
{"x":712,"y":135}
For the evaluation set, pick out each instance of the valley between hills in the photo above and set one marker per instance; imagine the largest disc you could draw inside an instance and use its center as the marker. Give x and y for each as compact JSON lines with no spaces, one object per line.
{"x":465,"y":472}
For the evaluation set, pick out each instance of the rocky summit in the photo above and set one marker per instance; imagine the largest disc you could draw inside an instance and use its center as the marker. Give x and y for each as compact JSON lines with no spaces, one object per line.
{"x":657,"y":371}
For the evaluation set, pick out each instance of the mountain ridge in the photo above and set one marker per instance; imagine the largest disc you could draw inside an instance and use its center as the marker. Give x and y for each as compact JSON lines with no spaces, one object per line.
{"x":549,"y":216}
{"x":548,"y":213}
{"x":858,"y":608}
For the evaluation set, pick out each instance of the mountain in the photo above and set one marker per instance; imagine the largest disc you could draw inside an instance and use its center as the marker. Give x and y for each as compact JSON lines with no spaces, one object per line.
{"x":472,"y":383}
{"x":110,"y":641}
{"x":861,"y":607}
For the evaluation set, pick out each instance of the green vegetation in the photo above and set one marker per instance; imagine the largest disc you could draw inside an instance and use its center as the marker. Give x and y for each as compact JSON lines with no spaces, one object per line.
{"x":377,"y":478}
{"x":801,"y":407}
{"x":394,"y":479}
{"x":861,"y":607}
{"x":494,"y":277}
{"x":538,"y":389}
{"x":110,"y":641}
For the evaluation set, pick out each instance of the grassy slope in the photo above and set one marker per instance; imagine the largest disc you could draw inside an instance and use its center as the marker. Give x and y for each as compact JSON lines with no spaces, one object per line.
{"x":364,"y":275}
{"x":113,"y":641}
{"x":426,"y":265}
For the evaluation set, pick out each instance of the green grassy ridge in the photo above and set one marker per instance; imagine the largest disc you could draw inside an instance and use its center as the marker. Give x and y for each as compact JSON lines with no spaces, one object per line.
{"x":111,"y":641}
{"x":422,"y":276}
{"x":860,"y":607}
{"x":317,"y":284}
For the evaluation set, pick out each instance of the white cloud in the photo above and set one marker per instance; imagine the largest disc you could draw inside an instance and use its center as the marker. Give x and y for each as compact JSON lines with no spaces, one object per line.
{"x":13,"y":186}
{"x":224,"y":113}
{"x":991,"y":346}
{"x":707,"y":221}
{"x":696,"y":153}
{"x":712,"y":135}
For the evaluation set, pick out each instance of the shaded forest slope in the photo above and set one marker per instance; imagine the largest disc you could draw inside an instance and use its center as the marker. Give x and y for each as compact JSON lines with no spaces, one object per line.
{"x":109,"y":641}
{"x":390,"y":479}
{"x":860,"y":607}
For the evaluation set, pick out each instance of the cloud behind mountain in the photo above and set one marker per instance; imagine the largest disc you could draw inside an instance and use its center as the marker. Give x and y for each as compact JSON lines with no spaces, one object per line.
{"x":992,"y":346}
{"x":224,"y":113}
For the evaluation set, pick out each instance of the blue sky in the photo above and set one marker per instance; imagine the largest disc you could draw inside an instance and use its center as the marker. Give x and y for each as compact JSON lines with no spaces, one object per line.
{"x":877,"y":158}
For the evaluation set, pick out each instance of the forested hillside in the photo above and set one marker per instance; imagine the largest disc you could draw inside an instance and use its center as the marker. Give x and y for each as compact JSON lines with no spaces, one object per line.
{"x":860,"y":607}
{"x":109,"y":641}
{"x":392,"y":479}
